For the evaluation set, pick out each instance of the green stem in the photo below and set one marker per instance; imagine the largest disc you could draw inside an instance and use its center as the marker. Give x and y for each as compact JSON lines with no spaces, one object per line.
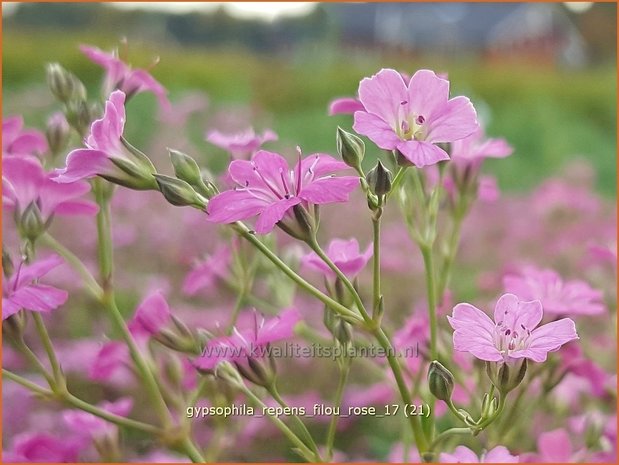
{"x":80,"y":404}
{"x":87,"y":278}
{"x":452,"y":250}
{"x":307,"y":453}
{"x":397,"y":180}
{"x":304,"y":431}
{"x":376,"y":266}
{"x":428,"y":262}
{"x":240,"y":299}
{"x":105,"y":250}
{"x":331,"y":303}
{"x":496,"y":415}
{"x":33,"y":359}
{"x":192,"y":451}
{"x":313,"y":243}
{"x":339,"y":395}
{"x":59,"y":380}
{"x":445,"y":434}
{"x":383,"y":340}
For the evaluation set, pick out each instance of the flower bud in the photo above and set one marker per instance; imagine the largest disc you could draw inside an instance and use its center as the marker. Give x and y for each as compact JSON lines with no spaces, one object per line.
{"x":226,"y":371}
{"x":379,"y":179}
{"x":186,"y":169}
{"x":31,"y":224}
{"x":57,"y":133}
{"x":79,"y":115}
{"x":130,"y":175}
{"x":258,"y":371}
{"x":7,"y":264}
{"x":350,"y":148}
{"x":440,"y":381}
{"x":506,"y":376}
{"x":179,"y":193}
{"x":64,"y":85}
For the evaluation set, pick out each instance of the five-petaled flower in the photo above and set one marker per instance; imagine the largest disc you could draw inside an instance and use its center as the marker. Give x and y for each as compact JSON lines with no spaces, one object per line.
{"x":411,"y":118}
{"x":119,"y":75}
{"x":105,"y":154}
{"x":249,"y":342}
{"x":266,"y":187}
{"x":19,"y":141}
{"x":574,"y":297}
{"x":344,"y":253}
{"x":512,"y":335}
{"x":22,"y":289}
{"x":241,"y":144}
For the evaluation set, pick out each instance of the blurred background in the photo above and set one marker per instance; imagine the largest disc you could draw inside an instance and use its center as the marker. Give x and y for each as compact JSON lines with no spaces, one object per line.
{"x":542,"y":75}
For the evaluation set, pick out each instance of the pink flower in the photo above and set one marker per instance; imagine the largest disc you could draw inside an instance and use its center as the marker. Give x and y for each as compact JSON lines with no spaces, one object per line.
{"x":513,"y":334}
{"x":413,"y":117}
{"x":554,"y":447}
{"x":345,"y":254}
{"x":558,"y":297}
{"x":463,"y":454}
{"x":476,"y":147}
{"x":86,"y":425}
{"x":25,"y":183}
{"x":105,"y":155}
{"x":345,"y":106}
{"x":119,"y":75}
{"x":22,"y":290}
{"x":19,"y":141}
{"x":205,"y":274}
{"x":242,"y":144}
{"x":40,"y":447}
{"x":268,"y":188}
{"x":112,"y":357}
{"x":151,"y":316}
{"x":249,"y":342}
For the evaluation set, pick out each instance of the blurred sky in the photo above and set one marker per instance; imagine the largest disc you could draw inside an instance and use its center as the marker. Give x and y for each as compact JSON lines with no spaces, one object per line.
{"x":264,"y":10}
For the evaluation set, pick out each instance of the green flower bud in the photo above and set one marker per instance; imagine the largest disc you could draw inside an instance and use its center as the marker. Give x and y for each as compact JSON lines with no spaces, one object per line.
{"x":506,"y":377}
{"x":350,"y":148}
{"x":57,"y":133}
{"x":379,"y":179}
{"x":64,"y":85}
{"x":179,"y":193}
{"x":31,"y":225}
{"x":440,"y":381}
{"x":186,"y":169}
{"x":79,"y":115}
{"x":227,"y":372}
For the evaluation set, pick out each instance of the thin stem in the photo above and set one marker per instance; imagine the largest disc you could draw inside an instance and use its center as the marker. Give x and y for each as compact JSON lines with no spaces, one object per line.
{"x":445,"y":434}
{"x":349,"y":286}
{"x":397,"y":180}
{"x":306,"y":434}
{"x":192,"y":451}
{"x":308,"y":454}
{"x":339,"y":395}
{"x":383,"y":340}
{"x":240,"y":299}
{"x":452,"y":249}
{"x":82,"y":405}
{"x":49,"y":349}
{"x":428,"y":262}
{"x":331,"y":303}
{"x":87,"y":278}
{"x":376,"y":266}
{"x":105,"y":250}
{"x":33,"y":359}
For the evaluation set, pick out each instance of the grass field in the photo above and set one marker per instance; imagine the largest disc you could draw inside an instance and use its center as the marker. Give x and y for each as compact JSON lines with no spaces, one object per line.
{"x":548,"y":115}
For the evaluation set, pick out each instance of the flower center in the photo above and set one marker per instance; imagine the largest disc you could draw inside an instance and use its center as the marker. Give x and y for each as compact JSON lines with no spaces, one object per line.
{"x":508,"y":340}
{"x":412,"y":128}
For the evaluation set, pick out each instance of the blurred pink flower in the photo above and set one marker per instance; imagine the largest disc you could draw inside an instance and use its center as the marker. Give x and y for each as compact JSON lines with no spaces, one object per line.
{"x":40,"y":447}
{"x":19,"y":141}
{"x":267,"y":187}
{"x":463,"y":454}
{"x":476,"y":147}
{"x":112,"y":357}
{"x":573,"y":361}
{"x":558,"y":297}
{"x":25,"y":184}
{"x":249,"y":342}
{"x":554,"y":447}
{"x":488,"y":190}
{"x":413,"y":117}
{"x":22,"y":290}
{"x":205,"y":273}
{"x":401,"y":454}
{"x":344,"y":253}
{"x":119,"y":75}
{"x":86,"y":425}
{"x":513,"y":334}
{"x":345,"y":106}
{"x":241,"y":144}
{"x":151,"y":316}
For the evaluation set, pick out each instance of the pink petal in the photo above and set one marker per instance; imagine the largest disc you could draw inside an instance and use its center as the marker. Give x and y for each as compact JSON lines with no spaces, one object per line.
{"x":231,"y":206}
{"x":328,"y":190}
{"x":421,"y":153}
{"x":77,"y":207}
{"x":39,"y":297}
{"x":29,"y":141}
{"x":274,"y":213}
{"x":83,"y":164}
{"x":317,"y":165}
{"x":455,"y":120}
{"x":513,"y":313}
{"x":551,"y":336}
{"x":500,"y":454}
{"x":376,"y":129}
{"x":555,"y":446}
{"x":474,"y":332}
{"x":427,"y":94}
{"x":384,"y":94}
{"x":345,"y":106}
